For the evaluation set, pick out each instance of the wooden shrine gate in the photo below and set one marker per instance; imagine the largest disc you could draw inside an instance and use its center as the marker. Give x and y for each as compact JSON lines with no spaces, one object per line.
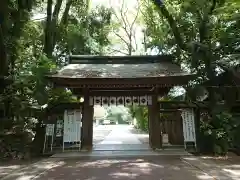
{"x":120,"y":80}
{"x":144,"y":100}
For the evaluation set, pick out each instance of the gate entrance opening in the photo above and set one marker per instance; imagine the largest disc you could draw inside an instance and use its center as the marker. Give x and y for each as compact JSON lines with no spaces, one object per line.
{"x":119,"y":79}
{"x":114,"y":127}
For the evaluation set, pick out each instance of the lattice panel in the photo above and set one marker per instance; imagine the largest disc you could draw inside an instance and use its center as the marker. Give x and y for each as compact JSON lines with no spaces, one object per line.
{"x":120,"y":101}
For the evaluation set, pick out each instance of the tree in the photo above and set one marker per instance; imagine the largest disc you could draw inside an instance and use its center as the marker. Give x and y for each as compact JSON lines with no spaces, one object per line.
{"x":125,"y":29}
{"x":14,"y":15}
{"x":33,"y":49}
{"x":196,"y":30}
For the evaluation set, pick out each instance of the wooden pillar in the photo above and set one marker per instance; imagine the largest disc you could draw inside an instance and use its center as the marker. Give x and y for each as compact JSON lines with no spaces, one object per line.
{"x":155,"y":136}
{"x":87,"y":124}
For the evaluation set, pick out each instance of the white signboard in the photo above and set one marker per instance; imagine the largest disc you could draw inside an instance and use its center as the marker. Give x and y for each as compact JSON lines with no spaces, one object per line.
{"x":72,"y":126}
{"x":188,"y":126}
{"x":49,"y":129}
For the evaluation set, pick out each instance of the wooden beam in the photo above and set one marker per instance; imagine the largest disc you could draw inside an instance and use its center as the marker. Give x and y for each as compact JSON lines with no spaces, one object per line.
{"x":121,"y":91}
{"x":168,"y":110}
{"x":63,"y":106}
{"x":136,"y":59}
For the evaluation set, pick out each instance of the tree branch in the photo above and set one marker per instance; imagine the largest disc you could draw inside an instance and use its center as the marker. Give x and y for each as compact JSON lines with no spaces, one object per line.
{"x":122,"y":39}
{"x":54,"y":22}
{"x":66,"y":12}
{"x":162,"y":8}
{"x":119,"y":51}
{"x":127,"y":27}
{"x":233,"y":71}
{"x":47,"y":43}
{"x":3,"y":55}
{"x":203,"y":25}
{"x":125,"y":22}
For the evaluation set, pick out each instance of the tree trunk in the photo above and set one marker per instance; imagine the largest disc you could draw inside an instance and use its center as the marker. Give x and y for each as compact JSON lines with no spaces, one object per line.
{"x":48,"y":43}
{"x":38,"y":142}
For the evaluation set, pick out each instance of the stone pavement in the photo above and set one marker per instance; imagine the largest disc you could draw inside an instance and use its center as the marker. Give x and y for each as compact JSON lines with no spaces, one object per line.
{"x":218,"y":168}
{"x":30,"y":171}
{"x":154,"y":167}
{"x":120,"y":137}
{"x":121,"y":134}
{"x":7,"y":168}
{"x":122,"y":161}
{"x":142,"y":136}
{"x":99,"y":133}
{"x":144,"y":168}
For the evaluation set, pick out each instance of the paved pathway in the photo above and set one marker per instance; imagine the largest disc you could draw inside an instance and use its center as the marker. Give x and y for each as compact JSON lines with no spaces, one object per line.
{"x":174,"y":167}
{"x":145,"y":168}
{"x":120,"y":137}
{"x":100,"y":132}
{"x":121,"y":134}
{"x":115,"y":165}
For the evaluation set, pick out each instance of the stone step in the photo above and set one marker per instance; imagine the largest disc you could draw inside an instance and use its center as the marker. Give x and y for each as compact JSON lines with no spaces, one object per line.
{"x":113,"y":154}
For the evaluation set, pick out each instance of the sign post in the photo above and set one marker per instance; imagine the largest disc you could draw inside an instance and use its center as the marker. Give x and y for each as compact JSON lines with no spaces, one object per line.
{"x":188,"y":127}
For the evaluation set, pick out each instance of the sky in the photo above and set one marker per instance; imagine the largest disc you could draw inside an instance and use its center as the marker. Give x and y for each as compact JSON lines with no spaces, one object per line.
{"x":114,"y":3}
{"x":107,"y":3}
{"x":130,"y":6}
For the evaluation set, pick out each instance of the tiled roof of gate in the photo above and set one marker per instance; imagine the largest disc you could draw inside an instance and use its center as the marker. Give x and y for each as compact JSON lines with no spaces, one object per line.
{"x":118,"y":70}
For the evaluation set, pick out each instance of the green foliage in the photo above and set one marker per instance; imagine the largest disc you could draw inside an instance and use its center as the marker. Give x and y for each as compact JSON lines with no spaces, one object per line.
{"x":85,"y":35}
{"x":202,"y":35}
{"x":34,"y":49}
{"x":219,"y":133}
{"x":141,"y":115}
{"x":202,"y":27}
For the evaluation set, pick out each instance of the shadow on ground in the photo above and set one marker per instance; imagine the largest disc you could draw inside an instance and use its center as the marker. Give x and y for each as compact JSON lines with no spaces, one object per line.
{"x":218,"y":168}
{"x":162,"y":168}
{"x":154,"y":168}
{"x":142,"y":136}
{"x":27,"y":172}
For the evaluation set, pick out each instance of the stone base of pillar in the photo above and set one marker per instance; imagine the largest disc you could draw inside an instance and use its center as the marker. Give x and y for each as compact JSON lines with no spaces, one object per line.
{"x":87,"y":148}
